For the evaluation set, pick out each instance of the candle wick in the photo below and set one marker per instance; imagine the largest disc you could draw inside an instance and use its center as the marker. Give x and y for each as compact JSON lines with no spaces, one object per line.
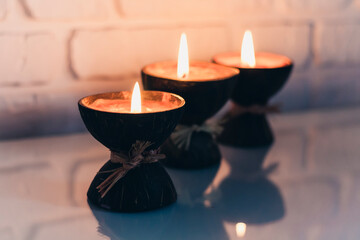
{"x":184,"y":75}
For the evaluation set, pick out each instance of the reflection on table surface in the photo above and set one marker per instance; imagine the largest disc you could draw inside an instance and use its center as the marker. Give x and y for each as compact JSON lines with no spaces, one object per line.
{"x":207,"y":199}
{"x":307,"y":188}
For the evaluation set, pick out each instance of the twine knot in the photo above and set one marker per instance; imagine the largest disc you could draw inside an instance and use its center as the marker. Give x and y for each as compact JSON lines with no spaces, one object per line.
{"x":136,"y":156}
{"x":181,"y":137}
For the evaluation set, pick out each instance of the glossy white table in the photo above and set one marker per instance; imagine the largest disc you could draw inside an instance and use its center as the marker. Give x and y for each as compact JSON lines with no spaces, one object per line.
{"x":312,"y":193}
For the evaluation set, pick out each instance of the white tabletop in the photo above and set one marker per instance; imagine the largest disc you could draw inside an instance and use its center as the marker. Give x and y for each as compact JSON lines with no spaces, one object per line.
{"x":312,"y":188}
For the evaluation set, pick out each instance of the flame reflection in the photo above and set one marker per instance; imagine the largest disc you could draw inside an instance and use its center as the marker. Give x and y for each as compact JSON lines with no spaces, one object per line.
{"x":240,"y":229}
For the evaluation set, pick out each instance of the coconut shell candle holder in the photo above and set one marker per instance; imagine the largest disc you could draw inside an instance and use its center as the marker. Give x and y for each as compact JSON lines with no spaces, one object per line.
{"x":132,"y":180}
{"x":246,"y":125}
{"x":206,"y":89}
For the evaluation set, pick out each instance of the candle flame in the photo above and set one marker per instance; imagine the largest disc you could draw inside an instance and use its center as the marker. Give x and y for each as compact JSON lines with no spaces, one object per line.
{"x":136,"y":99}
{"x":183,"y":58}
{"x":247,"y":50}
{"x":240,"y":229}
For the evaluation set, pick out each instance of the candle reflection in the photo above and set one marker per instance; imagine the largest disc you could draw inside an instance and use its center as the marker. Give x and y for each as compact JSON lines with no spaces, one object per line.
{"x":240,"y":229}
{"x":241,"y":193}
{"x":204,"y":214}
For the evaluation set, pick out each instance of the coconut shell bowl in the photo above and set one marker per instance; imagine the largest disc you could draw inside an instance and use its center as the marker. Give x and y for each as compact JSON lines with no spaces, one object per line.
{"x":246,"y":125}
{"x":205,"y":90}
{"x":141,"y":183}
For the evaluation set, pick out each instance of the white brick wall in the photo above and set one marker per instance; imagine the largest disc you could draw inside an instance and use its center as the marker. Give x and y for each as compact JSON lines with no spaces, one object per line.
{"x":12,"y":49}
{"x":64,"y":9}
{"x":161,"y":9}
{"x":338,"y":44}
{"x":3,"y":6}
{"x":137,"y":47}
{"x":318,"y":5}
{"x":54,"y":52}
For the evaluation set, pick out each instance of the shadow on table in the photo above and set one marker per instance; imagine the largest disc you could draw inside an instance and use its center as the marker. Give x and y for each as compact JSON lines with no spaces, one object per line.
{"x":206,"y":198}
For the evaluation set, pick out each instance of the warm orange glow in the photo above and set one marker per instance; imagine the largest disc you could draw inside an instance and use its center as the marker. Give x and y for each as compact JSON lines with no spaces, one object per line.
{"x":183,"y":58}
{"x":247,"y":50}
{"x":240,"y":229}
{"x":136,"y":99}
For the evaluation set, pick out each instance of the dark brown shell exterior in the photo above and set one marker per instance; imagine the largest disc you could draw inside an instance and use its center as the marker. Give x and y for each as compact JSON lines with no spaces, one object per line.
{"x":255,"y":86}
{"x":143,"y":188}
{"x":203,"y":98}
{"x":147,"y":186}
{"x":118,"y":131}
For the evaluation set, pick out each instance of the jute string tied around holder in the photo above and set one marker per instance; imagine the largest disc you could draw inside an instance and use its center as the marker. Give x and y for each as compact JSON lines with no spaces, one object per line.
{"x":181,"y":137}
{"x":136,"y":156}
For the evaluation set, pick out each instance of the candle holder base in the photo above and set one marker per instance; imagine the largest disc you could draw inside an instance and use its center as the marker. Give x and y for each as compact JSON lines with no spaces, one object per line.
{"x":145,"y":187}
{"x":203,"y":152}
{"x":246,"y":130}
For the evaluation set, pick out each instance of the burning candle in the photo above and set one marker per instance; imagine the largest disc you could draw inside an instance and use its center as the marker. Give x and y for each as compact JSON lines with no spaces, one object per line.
{"x":183,"y":58}
{"x":249,"y":59}
{"x":261,"y":75}
{"x":183,"y":70}
{"x":205,"y":87}
{"x":248,"y":51}
{"x":136,"y":99}
{"x":132,"y":126}
{"x":132,"y":103}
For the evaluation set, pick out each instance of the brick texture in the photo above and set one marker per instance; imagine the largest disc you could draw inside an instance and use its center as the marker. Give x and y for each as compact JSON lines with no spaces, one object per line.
{"x":50,"y":49}
{"x":319,"y":5}
{"x":47,"y":110}
{"x":100,"y":53}
{"x":41,"y":58}
{"x":12,"y":58}
{"x":337,"y":44}
{"x":27,"y":59}
{"x":3,"y":9}
{"x":64,"y":9}
{"x":169,"y":8}
{"x":125,"y":52}
{"x":326,"y":92}
{"x":249,"y":6}
{"x":296,"y":93}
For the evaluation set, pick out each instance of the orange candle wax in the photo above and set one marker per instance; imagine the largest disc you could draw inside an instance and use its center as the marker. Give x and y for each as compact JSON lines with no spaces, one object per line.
{"x":198,"y":71}
{"x":263,"y":60}
{"x":124,"y":106}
